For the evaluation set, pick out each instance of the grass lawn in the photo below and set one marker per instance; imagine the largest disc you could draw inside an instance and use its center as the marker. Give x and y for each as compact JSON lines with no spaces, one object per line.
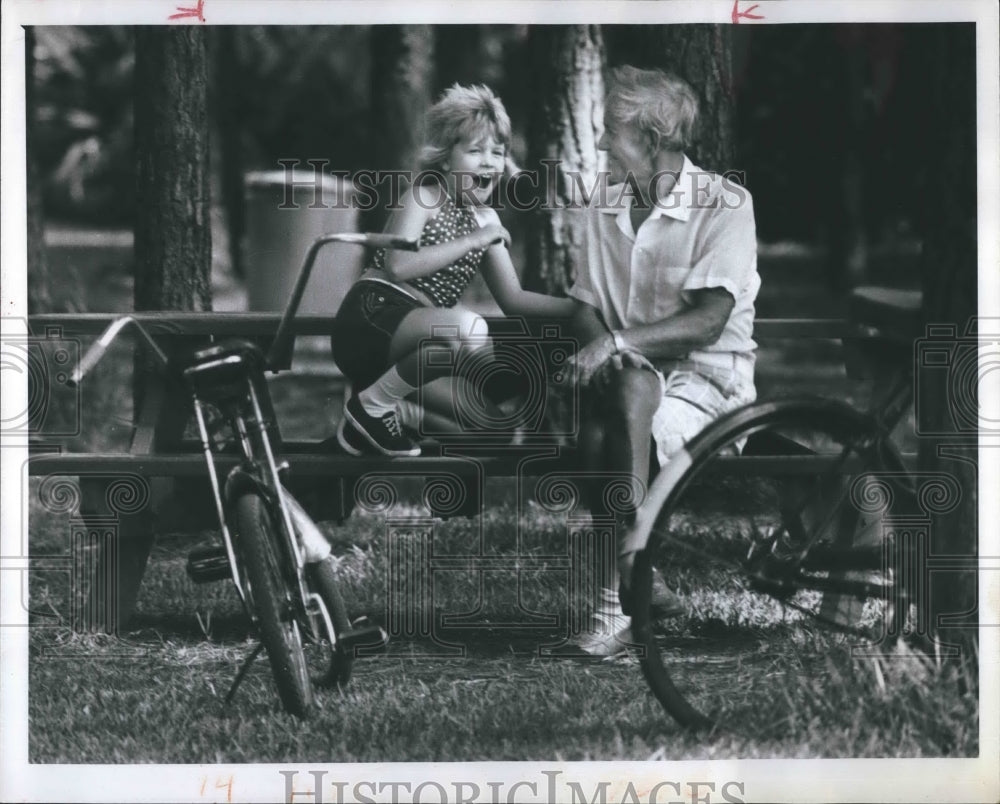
{"x":481,"y":690}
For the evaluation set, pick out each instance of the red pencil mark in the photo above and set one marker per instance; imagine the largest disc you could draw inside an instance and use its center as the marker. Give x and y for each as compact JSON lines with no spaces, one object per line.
{"x":737,"y":14}
{"x":197,"y":11}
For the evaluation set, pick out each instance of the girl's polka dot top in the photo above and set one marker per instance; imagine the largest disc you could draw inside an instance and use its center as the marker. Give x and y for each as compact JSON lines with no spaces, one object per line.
{"x":446,"y":285}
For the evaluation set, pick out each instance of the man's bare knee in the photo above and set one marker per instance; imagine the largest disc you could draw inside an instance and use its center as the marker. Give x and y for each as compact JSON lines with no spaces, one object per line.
{"x":635,"y":392}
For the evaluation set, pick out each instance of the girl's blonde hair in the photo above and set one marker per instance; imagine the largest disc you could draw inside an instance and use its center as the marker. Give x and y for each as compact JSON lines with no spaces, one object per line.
{"x":659,"y":104}
{"x":462,"y":113}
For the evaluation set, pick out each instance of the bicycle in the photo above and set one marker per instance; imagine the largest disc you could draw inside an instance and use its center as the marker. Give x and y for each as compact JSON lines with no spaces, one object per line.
{"x":804,"y":555}
{"x":270,"y":548}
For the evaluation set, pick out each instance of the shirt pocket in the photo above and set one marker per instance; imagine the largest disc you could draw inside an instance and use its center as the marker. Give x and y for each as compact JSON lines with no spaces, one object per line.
{"x":664,"y":291}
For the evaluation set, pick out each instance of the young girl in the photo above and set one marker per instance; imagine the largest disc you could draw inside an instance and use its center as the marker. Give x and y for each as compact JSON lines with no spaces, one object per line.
{"x":407,"y":301}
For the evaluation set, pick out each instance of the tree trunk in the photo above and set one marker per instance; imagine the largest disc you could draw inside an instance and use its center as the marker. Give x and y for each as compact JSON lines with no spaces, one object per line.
{"x":172,"y":264}
{"x":228,"y":101}
{"x":565,"y":123}
{"x":39,"y":300}
{"x":702,"y":56}
{"x":402,"y":71}
{"x":948,"y":401}
{"x":173,"y":240}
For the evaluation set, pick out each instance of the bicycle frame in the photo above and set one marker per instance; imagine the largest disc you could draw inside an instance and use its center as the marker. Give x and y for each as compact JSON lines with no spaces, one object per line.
{"x":248,"y":415}
{"x":246,"y":418}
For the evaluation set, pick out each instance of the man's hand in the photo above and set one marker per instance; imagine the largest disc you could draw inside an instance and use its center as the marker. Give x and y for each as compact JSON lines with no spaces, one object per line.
{"x":617,"y":362}
{"x":598,"y":360}
{"x":589,"y":360}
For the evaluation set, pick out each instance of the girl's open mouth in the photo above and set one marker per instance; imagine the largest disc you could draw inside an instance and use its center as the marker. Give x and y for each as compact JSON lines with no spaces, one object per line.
{"x":482,"y":182}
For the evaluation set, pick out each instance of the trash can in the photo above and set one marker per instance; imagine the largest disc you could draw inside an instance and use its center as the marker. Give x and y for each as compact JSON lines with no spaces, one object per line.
{"x":285,"y":212}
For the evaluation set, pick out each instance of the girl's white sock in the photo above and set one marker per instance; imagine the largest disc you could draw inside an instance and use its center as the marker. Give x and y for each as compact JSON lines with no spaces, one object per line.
{"x":384,"y":394}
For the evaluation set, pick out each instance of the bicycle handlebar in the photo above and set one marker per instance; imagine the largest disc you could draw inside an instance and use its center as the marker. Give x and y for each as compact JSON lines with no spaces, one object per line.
{"x":96,"y":352}
{"x":280,"y":353}
{"x":281,"y":348}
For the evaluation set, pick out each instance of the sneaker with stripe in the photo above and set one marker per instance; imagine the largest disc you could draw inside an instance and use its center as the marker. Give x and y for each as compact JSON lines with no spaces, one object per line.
{"x":385,"y":434}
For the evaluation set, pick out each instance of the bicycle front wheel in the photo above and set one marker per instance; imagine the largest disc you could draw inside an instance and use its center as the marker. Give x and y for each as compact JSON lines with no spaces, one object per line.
{"x":769,"y":634}
{"x":268,"y":581}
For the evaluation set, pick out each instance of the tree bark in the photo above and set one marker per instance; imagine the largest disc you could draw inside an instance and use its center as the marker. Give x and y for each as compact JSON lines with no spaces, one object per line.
{"x":565,"y":124}
{"x":702,"y":56}
{"x":401,"y":75}
{"x":948,"y":403}
{"x":173,"y":240}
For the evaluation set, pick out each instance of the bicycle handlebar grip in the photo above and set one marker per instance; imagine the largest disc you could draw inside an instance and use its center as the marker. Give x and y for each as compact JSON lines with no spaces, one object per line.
{"x":393,"y":242}
{"x":89,"y":360}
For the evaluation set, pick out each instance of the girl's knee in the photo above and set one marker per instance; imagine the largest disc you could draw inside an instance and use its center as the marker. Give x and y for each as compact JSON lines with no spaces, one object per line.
{"x":471,"y":332}
{"x":475,"y":332}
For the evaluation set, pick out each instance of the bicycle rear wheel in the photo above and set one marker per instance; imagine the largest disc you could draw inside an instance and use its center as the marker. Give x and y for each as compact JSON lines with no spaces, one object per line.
{"x":268,"y":581}
{"x":764,"y":630}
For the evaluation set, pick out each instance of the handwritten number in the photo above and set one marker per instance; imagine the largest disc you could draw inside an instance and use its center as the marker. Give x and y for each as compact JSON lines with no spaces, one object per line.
{"x":221,"y":783}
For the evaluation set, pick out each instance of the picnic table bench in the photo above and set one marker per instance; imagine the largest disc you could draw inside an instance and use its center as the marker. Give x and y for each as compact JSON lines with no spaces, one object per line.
{"x":119,"y":492}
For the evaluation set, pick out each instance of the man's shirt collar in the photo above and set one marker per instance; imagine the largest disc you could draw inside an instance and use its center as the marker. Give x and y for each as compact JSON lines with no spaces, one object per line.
{"x":676,"y":204}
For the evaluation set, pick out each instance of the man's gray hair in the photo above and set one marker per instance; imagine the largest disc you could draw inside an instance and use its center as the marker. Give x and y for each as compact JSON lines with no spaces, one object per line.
{"x":657,"y":103}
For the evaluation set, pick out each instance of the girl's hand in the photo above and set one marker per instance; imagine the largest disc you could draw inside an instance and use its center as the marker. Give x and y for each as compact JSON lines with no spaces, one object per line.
{"x":490,"y":234}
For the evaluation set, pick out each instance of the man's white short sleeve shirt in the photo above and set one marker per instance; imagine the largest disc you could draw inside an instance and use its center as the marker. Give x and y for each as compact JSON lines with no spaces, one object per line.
{"x":700,"y":235}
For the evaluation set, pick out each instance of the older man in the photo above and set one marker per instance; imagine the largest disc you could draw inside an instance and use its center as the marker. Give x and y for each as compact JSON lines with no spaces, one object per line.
{"x":665,"y":291}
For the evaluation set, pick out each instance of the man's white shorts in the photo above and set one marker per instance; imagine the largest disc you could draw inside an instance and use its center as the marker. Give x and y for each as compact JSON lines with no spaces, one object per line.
{"x":694,"y":396}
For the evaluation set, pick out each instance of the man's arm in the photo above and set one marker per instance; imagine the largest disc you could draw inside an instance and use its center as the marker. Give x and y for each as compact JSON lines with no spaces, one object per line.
{"x":599,"y":349}
{"x":698,"y":326}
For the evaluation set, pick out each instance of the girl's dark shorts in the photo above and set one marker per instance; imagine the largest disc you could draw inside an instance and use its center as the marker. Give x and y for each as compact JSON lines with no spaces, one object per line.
{"x":363,"y":329}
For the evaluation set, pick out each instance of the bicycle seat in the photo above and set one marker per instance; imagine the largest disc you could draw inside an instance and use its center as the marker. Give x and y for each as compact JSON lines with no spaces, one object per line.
{"x":895,"y":313}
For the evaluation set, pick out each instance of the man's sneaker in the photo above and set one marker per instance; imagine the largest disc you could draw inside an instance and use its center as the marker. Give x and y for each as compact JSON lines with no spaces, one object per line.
{"x":607,"y":637}
{"x":385,"y":434}
{"x":350,"y":440}
{"x":610,"y":633}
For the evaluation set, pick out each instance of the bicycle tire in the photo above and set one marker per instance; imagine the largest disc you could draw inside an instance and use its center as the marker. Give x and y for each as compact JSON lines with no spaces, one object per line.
{"x":323,"y":579}
{"x":266,"y":580}
{"x":685,"y":515}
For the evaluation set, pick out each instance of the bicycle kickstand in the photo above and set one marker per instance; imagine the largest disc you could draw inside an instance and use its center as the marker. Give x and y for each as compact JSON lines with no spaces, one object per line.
{"x":244,"y":669}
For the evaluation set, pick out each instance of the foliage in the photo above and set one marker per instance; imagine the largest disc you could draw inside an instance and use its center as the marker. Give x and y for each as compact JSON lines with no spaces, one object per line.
{"x":304,"y":92}
{"x":84,"y":121}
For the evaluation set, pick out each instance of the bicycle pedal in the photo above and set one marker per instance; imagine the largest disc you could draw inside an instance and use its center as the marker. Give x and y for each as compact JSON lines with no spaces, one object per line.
{"x":364,"y":634}
{"x":208,"y":564}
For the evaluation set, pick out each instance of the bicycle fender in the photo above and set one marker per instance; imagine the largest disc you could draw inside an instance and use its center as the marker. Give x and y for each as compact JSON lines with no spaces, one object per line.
{"x":239,"y":481}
